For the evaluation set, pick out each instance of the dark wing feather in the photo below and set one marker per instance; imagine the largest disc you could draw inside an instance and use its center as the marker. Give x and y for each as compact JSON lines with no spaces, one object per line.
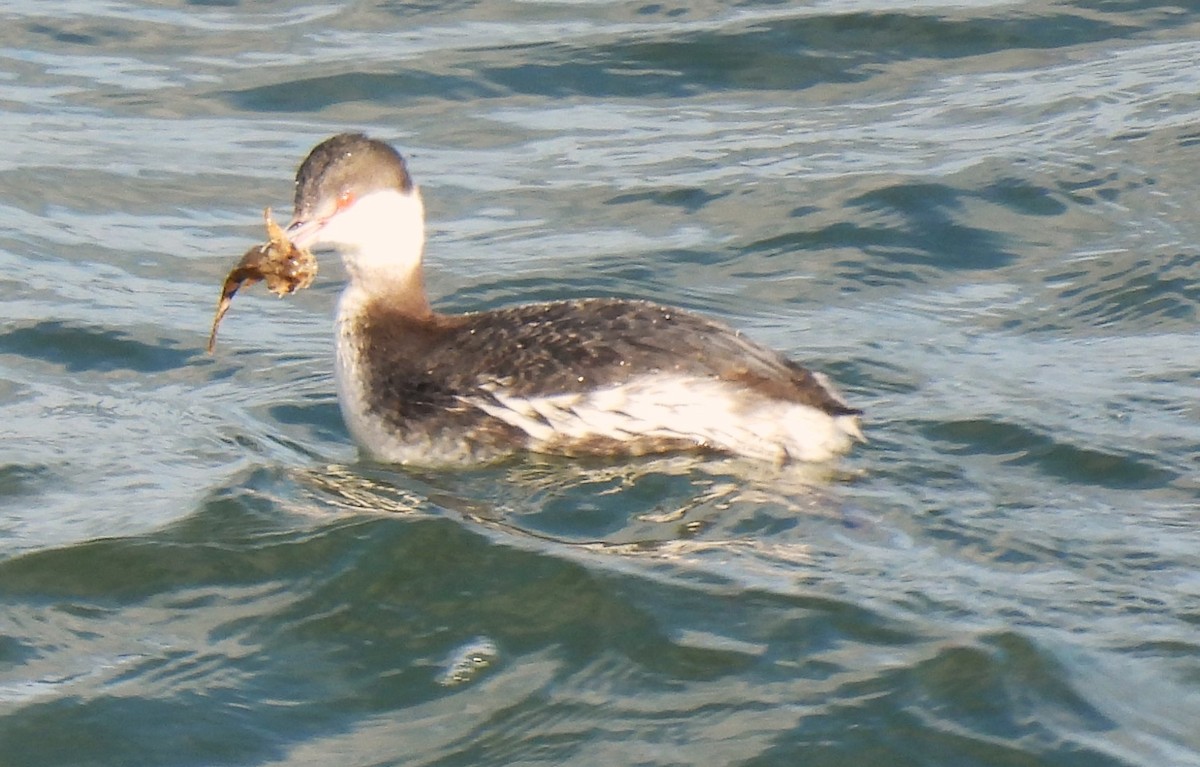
{"x":548,"y":348}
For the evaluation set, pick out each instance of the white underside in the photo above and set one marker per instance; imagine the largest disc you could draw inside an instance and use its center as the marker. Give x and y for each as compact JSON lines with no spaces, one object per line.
{"x":705,"y":412}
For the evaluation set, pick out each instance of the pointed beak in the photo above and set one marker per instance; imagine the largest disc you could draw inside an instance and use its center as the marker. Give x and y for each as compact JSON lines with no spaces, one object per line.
{"x":302,"y":233}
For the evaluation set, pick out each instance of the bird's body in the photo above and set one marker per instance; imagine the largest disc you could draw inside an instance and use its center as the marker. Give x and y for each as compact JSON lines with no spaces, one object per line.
{"x":583,"y":377}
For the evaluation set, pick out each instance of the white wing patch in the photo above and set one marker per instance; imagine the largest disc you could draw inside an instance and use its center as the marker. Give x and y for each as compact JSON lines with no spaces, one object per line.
{"x":704,"y":412}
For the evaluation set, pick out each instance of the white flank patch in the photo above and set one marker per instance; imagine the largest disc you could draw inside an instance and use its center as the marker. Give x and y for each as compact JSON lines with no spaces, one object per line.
{"x":705,"y":412}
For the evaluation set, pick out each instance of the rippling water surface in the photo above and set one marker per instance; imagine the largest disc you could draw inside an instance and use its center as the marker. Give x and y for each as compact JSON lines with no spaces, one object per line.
{"x":979,"y":218}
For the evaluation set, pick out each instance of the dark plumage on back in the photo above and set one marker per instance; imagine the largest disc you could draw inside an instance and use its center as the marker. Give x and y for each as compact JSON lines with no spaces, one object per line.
{"x":420,"y":368}
{"x":562,"y":346}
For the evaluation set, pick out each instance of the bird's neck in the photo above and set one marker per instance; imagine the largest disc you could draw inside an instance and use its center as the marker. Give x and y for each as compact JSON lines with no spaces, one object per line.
{"x":382,"y":240}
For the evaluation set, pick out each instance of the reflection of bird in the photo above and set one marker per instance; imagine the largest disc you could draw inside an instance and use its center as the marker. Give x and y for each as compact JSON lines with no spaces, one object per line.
{"x":596,"y":376}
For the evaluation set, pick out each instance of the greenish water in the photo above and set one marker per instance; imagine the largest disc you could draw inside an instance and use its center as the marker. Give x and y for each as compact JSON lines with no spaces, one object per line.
{"x":978,"y":218}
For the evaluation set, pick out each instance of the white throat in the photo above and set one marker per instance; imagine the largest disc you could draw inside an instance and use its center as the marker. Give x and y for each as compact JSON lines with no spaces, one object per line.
{"x":380,"y":238}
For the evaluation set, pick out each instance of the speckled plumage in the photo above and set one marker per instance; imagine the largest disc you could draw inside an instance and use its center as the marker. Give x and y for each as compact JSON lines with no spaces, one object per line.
{"x":422,"y":374}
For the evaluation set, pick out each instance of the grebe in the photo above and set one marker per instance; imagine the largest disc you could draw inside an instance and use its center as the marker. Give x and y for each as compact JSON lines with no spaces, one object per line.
{"x":595,"y":376}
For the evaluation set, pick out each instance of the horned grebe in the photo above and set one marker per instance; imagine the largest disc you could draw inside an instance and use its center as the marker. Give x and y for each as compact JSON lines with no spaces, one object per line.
{"x":596,"y":376}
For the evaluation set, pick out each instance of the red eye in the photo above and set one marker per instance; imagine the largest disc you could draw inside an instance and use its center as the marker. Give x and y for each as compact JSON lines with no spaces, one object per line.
{"x":345,"y":200}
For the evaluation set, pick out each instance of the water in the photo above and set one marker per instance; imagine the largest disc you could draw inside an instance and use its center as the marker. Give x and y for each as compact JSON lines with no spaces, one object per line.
{"x":978,"y":217}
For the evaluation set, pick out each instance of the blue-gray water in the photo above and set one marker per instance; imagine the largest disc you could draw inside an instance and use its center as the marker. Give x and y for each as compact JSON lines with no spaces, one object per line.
{"x":979,"y":218}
